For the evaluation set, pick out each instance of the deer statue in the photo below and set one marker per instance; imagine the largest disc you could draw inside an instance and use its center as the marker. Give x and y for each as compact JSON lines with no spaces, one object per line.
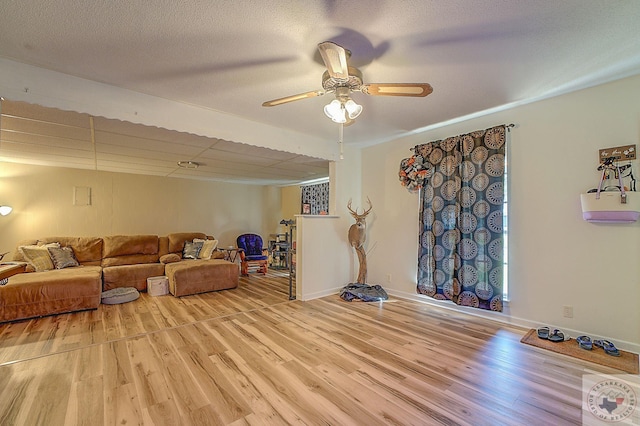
{"x":357,"y":237}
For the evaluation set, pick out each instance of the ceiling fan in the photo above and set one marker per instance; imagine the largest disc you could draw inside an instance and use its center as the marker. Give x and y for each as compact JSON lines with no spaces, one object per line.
{"x":342,"y":79}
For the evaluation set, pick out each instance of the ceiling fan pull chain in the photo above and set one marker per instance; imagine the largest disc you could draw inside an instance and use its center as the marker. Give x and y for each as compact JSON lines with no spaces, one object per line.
{"x":340,"y":137}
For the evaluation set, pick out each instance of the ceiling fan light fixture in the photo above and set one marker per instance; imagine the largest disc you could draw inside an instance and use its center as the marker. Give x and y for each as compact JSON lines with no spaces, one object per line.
{"x":5,"y":210}
{"x":353,"y":109}
{"x":335,"y":111}
{"x":340,"y":119}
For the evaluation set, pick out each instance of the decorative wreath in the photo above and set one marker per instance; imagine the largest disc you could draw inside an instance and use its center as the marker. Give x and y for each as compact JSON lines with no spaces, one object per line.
{"x":413,"y":172}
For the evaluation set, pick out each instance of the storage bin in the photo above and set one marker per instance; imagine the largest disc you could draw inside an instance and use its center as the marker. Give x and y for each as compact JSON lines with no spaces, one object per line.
{"x":157,"y":286}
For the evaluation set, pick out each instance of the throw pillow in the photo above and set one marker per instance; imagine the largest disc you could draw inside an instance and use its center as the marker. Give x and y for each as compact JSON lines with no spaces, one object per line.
{"x":38,"y":257}
{"x":170,"y":258}
{"x":191,"y":250}
{"x":208,"y":247}
{"x":63,"y":257}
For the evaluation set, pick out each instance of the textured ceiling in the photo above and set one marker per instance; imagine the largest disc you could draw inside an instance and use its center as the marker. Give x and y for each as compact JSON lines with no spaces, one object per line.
{"x":229,"y":57}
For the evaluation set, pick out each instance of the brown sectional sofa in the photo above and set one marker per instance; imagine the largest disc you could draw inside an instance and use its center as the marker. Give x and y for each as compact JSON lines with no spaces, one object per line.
{"x":107,"y":263}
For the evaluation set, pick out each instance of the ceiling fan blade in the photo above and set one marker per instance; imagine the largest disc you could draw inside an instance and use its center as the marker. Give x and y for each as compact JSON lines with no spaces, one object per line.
{"x":292,"y":98}
{"x":335,"y":58}
{"x":397,"y":89}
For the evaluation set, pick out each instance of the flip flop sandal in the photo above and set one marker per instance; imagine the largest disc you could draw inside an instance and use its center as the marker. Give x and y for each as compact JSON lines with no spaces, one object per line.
{"x":585,"y":342}
{"x":556,"y":336}
{"x":609,"y":348}
{"x":543,"y":332}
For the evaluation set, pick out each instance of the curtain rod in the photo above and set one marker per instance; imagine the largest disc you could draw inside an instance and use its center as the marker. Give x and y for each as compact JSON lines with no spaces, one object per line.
{"x":507,"y":126}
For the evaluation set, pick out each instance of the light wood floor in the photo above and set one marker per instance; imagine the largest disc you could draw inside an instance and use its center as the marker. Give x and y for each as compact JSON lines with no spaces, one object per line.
{"x":251,"y":356}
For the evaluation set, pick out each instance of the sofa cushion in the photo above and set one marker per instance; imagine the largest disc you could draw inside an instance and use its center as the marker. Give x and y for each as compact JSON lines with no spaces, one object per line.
{"x":122,"y":245}
{"x":218,"y":254}
{"x":177,"y":240}
{"x":130,"y":275}
{"x":163,"y":245}
{"x":130,"y":250}
{"x":63,"y":257}
{"x":199,"y":276}
{"x":50,"y":292}
{"x":170,"y":258}
{"x":133,"y":259}
{"x":17,"y":255}
{"x":88,"y":250}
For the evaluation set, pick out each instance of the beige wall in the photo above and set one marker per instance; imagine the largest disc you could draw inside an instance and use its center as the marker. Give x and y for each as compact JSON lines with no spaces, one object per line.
{"x":291,"y":198}
{"x":555,"y":257}
{"x":42,"y":198}
{"x":272,"y":208}
{"x":326,"y":261}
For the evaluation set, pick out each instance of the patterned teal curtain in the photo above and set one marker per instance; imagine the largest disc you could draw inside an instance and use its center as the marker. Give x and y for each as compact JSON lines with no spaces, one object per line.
{"x":461,"y":218}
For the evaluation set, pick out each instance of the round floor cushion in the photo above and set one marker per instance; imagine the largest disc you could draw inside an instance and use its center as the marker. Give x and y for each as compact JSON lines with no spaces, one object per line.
{"x":119,"y":295}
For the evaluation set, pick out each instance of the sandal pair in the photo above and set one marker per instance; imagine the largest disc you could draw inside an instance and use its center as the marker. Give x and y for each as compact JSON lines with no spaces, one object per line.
{"x":608,"y":347}
{"x":554,"y":336}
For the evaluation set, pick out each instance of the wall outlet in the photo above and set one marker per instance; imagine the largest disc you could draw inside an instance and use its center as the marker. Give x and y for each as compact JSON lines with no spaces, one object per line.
{"x":567,"y":311}
{"x":389,"y":278}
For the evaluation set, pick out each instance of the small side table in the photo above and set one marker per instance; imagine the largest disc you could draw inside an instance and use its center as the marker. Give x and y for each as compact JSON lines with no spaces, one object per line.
{"x":9,"y":269}
{"x":231,"y":253}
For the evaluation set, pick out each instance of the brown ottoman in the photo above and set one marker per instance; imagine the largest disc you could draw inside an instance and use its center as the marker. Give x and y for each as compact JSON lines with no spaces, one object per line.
{"x":201,"y":275}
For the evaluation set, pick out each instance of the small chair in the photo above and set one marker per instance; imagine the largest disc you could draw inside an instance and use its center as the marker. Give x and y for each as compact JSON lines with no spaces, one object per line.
{"x":252,"y":253}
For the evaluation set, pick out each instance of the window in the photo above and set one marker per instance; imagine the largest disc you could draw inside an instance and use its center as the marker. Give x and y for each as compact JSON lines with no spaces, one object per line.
{"x":463,"y":209}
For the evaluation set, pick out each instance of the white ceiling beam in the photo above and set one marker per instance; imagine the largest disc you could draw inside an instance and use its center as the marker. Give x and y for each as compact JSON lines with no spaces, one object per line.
{"x":21,"y":82}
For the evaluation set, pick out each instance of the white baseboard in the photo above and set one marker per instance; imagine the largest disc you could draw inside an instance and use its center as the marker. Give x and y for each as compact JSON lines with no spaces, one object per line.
{"x":319,"y":294}
{"x":507,"y":319}
{"x":494,"y":316}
